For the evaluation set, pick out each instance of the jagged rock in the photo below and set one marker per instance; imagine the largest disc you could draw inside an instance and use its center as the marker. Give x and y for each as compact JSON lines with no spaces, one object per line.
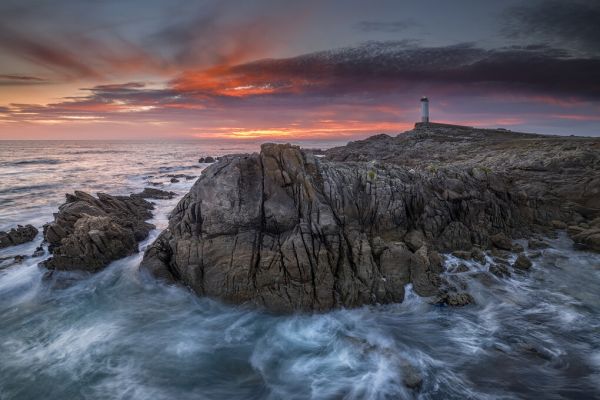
{"x":522,"y":262}
{"x":19,"y":235}
{"x":88,"y":233}
{"x":501,"y":241}
{"x":151,"y":193}
{"x":289,"y":231}
{"x":590,"y":238}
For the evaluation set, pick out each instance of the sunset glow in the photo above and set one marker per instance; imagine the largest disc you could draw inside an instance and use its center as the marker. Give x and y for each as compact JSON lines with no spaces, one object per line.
{"x":220,"y":72}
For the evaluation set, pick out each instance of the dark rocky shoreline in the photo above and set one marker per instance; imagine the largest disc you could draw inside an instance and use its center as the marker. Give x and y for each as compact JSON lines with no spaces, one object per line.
{"x":287,"y":231}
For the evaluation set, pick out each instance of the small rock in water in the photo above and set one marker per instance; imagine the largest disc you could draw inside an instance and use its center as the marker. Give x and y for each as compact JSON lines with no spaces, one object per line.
{"x":522,"y":262}
{"x":535,"y":244}
{"x":461,"y":268}
{"x":174,"y":180}
{"x":478,"y":256}
{"x":39,"y":251}
{"x":465,"y":255}
{"x":151,"y":193}
{"x":458,"y":299}
{"x":500,"y":270}
{"x":517,"y":248}
{"x":207,"y":160}
{"x":19,"y":259}
{"x":411,"y":376}
{"x":19,"y":235}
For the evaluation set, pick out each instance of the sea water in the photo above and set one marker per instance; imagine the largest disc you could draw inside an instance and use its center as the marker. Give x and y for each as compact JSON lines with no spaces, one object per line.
{"x":119,"y":335}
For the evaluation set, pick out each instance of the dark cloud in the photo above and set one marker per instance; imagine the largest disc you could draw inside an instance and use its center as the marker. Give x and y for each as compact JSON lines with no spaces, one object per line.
{"x":381,"y":66}
{"x":18,"y":80}
{"x":386,"y":27}
{"x":573,"y":24}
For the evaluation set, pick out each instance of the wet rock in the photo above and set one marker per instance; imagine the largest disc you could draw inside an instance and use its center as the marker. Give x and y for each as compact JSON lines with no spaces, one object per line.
{"x":558,"y":224}
{"x":478,"y":256}
{"x":207,"y":160}
{"x":517,"y":248}
{"x":18,"y":259}
{"x":39,"y":251}
{"x":19,"y":235}
{"x":459,"y":299}
{"x":501,"y":241}
{"x":288,"y":231}
{"x":589,"y":238}
{"x":500,"y":270}
{"x":535,"y":244}
{"x":461,"y":268}
{"x":88,"y":233}
{"x":534,"y":254}
{"x":465,"y":255}
{"x":174,"y":180}
{"x":152,"y":193}
{"x":522,"y":262}
{"x":411,"y":376}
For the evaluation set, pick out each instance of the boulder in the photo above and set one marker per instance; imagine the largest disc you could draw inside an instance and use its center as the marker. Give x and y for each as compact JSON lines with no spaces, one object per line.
{"x":88,"y":232}
{"x":501,"y":241}
{"x":19,"y":235}
{"x":288,"y":231}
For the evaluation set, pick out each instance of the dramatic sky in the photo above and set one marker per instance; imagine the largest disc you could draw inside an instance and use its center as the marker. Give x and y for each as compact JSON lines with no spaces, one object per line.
{"x":294,"y":69}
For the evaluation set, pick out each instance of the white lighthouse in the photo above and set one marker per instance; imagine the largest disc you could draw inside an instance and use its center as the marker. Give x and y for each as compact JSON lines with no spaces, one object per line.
{"x":424,"y":110}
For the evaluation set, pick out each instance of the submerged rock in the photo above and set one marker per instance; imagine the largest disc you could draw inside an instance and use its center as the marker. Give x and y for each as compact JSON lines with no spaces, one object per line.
{"x":19,"y":235}
{"x":288,"y":231}
{"x":88,"y":233}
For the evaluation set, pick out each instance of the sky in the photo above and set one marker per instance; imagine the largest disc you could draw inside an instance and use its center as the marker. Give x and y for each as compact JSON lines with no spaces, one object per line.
{"x":275,"y":69}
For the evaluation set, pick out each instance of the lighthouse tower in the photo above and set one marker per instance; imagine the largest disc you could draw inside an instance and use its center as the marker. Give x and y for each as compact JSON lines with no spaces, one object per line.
{"x":424,"y":110}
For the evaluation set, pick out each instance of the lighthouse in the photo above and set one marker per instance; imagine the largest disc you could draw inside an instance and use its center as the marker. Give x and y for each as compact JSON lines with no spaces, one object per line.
{"x":424,"y":110}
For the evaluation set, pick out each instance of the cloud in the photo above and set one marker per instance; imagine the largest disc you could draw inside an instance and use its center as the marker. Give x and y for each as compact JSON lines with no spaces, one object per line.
{"x":381,"y":67}
{"x":18,"y":80}
{"x":344,"y":91}
{"x":571,"y":24}
{"x":386,"y":27}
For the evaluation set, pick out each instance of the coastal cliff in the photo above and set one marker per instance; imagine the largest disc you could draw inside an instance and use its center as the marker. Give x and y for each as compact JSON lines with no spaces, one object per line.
{"x":287,"y":230}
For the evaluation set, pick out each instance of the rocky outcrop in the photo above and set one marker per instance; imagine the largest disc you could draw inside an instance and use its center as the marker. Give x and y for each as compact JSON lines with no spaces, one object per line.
{"x":19,"y":235}
{"x":88,"y":233}
{"x":288,"y":231}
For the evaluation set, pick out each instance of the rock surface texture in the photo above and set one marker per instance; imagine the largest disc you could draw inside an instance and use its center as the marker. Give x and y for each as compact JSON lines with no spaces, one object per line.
{"x":88,"y":233}
{"x":19,"y":235}
{"x":290,"y":231}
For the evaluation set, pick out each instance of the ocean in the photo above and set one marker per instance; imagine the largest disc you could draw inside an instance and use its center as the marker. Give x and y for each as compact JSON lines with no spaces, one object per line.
{"x":118,"y":335}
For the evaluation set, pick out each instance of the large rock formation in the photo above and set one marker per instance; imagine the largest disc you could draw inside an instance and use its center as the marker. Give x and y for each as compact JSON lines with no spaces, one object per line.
{"x":19,"y":235}
{"x":88,"y":233}
{"x":289,"y":231}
